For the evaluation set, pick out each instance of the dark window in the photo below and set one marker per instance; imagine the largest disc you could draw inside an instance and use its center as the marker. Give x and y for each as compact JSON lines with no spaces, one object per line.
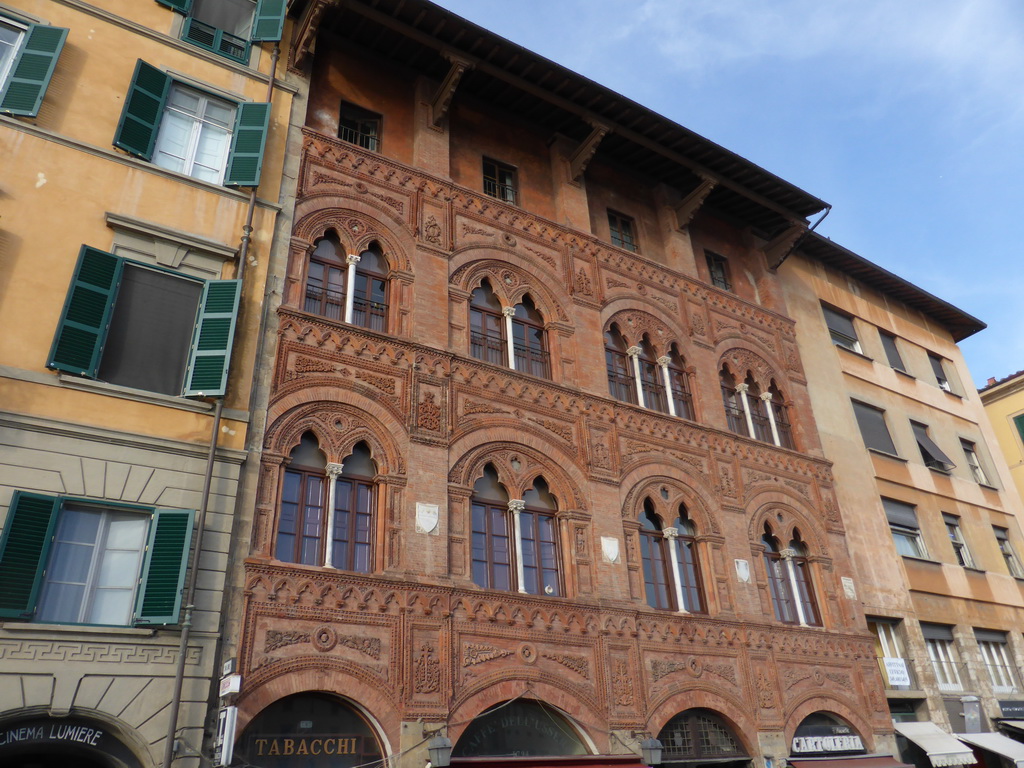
{"x":621,"y":381}
{"x":758,"y":412}
{"x":733,"y":402}
{"x":487,"y":326}
{"x":689,"y":566}
{"x":781,"y":413}
{"x":500,"y":181}
{"x":778,"y":580}
{"x":939,"y":369}
{"x":228,"y":27}
{"x":698,"y":735}
{"x":539,"y":528}
{"x":370,"y":303}
{"x":325,"y":279}
{"x":492,"y":535}
{"x":873,"y":428}
{"x":147,"y":328}
{"x":654,"y":553}
{"x":906,"y":534}
{"x":305,"y":518}
{"x":76,"y":561}
{"x":840,"y":328}
{"x":528,"y":340}
{"x":680,"y":383}
{"x":892,"y":352}
{"x":931,"y":454}
{"x":651,"y":380}
{"x":789,"y":581}
{"x":718,"y":269}
{"x":359,"y":126}
{"x":622,"y":230}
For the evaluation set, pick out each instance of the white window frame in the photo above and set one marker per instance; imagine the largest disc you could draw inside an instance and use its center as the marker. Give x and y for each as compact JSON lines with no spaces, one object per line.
{"x":839,"y":337}
{"x":1008,"y":552}
{"x":198,"y":122}
{"x":956,"y":538}
{"x":944,"y":659}
{"x":7,"y":66}
{"x":974,"y":462}
{"x":1000,"y":670}
{"x":912,"y":535}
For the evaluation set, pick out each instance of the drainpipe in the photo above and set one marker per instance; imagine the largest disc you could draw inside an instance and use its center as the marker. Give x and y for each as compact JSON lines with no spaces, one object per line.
{"x":211,"y":458}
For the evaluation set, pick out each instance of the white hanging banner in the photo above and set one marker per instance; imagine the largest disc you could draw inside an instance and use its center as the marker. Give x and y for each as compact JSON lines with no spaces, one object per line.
{"x":896,"y":670}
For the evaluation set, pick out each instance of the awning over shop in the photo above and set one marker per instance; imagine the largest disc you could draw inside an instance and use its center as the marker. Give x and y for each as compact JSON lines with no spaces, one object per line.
{"x":1013,"y":725}
{"x":942,"y":749}
{"x":849,"y":761}
{"x":996,"y":742}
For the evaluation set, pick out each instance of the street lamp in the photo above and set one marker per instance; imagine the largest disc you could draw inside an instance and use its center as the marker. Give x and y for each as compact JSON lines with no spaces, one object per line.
{"x":440,"y":750}
{"x":650,"y":751}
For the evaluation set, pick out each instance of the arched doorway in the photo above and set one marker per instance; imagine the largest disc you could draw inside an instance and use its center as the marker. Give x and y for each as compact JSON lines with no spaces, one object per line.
{"x":59,"y":742}
{"x":698,"y":737}
{"x":520,"y":728}
{"x":823,"y":734}
{"x":311,"y":730}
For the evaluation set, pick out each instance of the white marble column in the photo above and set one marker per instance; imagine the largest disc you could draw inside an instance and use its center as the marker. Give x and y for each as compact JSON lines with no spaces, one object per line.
{"x":333,"y":472}
{"x":767,"y":398}
{"x":510,"y":346}
{"x":745,"y":399}
{"x":350,"y":286}
{"x":671,"y":534}
{"x":787,"y":556}
{"x":666,"y":377}
{"x":634,"y":355}
{"x":516,"y":506}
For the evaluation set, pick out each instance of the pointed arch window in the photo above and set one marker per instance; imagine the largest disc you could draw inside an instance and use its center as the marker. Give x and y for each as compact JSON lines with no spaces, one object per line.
{"x":735,"y":414}
{"x":789,"y":580}
{"x":330,"y":273}
{"x":515,"y":543}
{"x":531,"y":355}
{"x":487,"y":326}
{"x":327,"y":510}
{"x":672,"y":579}
{"x":758,"y":413}
{"x":621,"y":380}
{"x":652,"y":382}
{"x":699,"y":735}
{"x":679,"y":384}
{"x":779,"y":413}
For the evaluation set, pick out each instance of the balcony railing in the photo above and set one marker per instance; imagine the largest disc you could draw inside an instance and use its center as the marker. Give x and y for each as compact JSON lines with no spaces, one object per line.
{"x":654,"y":396}
{"x":504,"y":192}
{"x":1003,"y":678}
{"x":216,"y":40}
{"x":737,"y":419}
{"x":684,"y":403}
{"x":762,"y":427}
{"x":950,"y":675}
{"x":368,"y":141}
{"x":490,"y":349}
{"x":621,"y":387}
{"x":532,"y":361}
{"x":329,"y":304}
{"x":370,"y":314}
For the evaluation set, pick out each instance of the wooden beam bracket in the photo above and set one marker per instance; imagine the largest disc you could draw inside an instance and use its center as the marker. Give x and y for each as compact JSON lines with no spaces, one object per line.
{"x":693,"y":201}
{"x":446,"y":91}
{"x":585,"y":151}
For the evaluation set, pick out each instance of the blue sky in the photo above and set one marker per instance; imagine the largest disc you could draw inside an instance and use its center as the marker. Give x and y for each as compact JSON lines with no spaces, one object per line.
{"x":906,"y":115}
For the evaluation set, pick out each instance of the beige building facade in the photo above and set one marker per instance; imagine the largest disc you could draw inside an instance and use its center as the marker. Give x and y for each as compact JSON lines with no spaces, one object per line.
{"x":1004,"y":404}
{"x":143,"y":157}
{"x":931,"y":510}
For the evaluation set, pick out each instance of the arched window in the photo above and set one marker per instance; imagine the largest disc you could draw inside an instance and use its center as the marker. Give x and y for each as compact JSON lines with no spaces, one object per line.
{"x":658,"y":585}
{"x":487,"y":326}
{"x":523,"y":728}
{"x":515,"y":542}
{"x":699,"y":735}
{"x":621,"y":383}
{"x":370,"y":302}
{"x":733,"y":402}
{"x":651,"y":379}
{"x":539,"y":533}
{"x":328,"y":278}
{"x":531,"y":355}
{"x":492,"y":539}
{"x":780,"y":413}
{"x":315,"y":503}
{"x":680,"y":384}
{"x":758,"y":412}
{"x":303,"y":505}
{"x":689,"y":566}
{"x":325,"y":281}
{"x":789,"y":580}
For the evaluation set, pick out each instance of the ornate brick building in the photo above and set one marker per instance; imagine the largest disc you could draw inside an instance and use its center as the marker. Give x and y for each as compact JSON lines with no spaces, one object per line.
{"x":540,"y":471}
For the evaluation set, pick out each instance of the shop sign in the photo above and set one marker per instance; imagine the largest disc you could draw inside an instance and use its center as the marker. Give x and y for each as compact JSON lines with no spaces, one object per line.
{"x":307,"y":744}
{"x":897,"y":671}
{"x":1013,"y":710}
{"x":70,"y":732}
{"x":826,"y":739}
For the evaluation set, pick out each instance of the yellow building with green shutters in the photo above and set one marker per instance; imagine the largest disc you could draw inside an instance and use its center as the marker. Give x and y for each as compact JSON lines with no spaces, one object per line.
{"x":143,"y":198}
{"x":1004,"y":404}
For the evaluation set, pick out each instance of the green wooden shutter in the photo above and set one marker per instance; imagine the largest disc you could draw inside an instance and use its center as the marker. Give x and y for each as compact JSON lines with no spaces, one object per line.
{"x":143,"y":110}
{"x":247,"y":144}
{"x":163,"y":572}
{"x":85,"y":319}
{"x":33,"y":69}
{"x":1018,"y":422}
{"x":182,"y":6}
{"x":23,"y":548}
{"x":210,"y":358}
{"x":268,"y":25}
